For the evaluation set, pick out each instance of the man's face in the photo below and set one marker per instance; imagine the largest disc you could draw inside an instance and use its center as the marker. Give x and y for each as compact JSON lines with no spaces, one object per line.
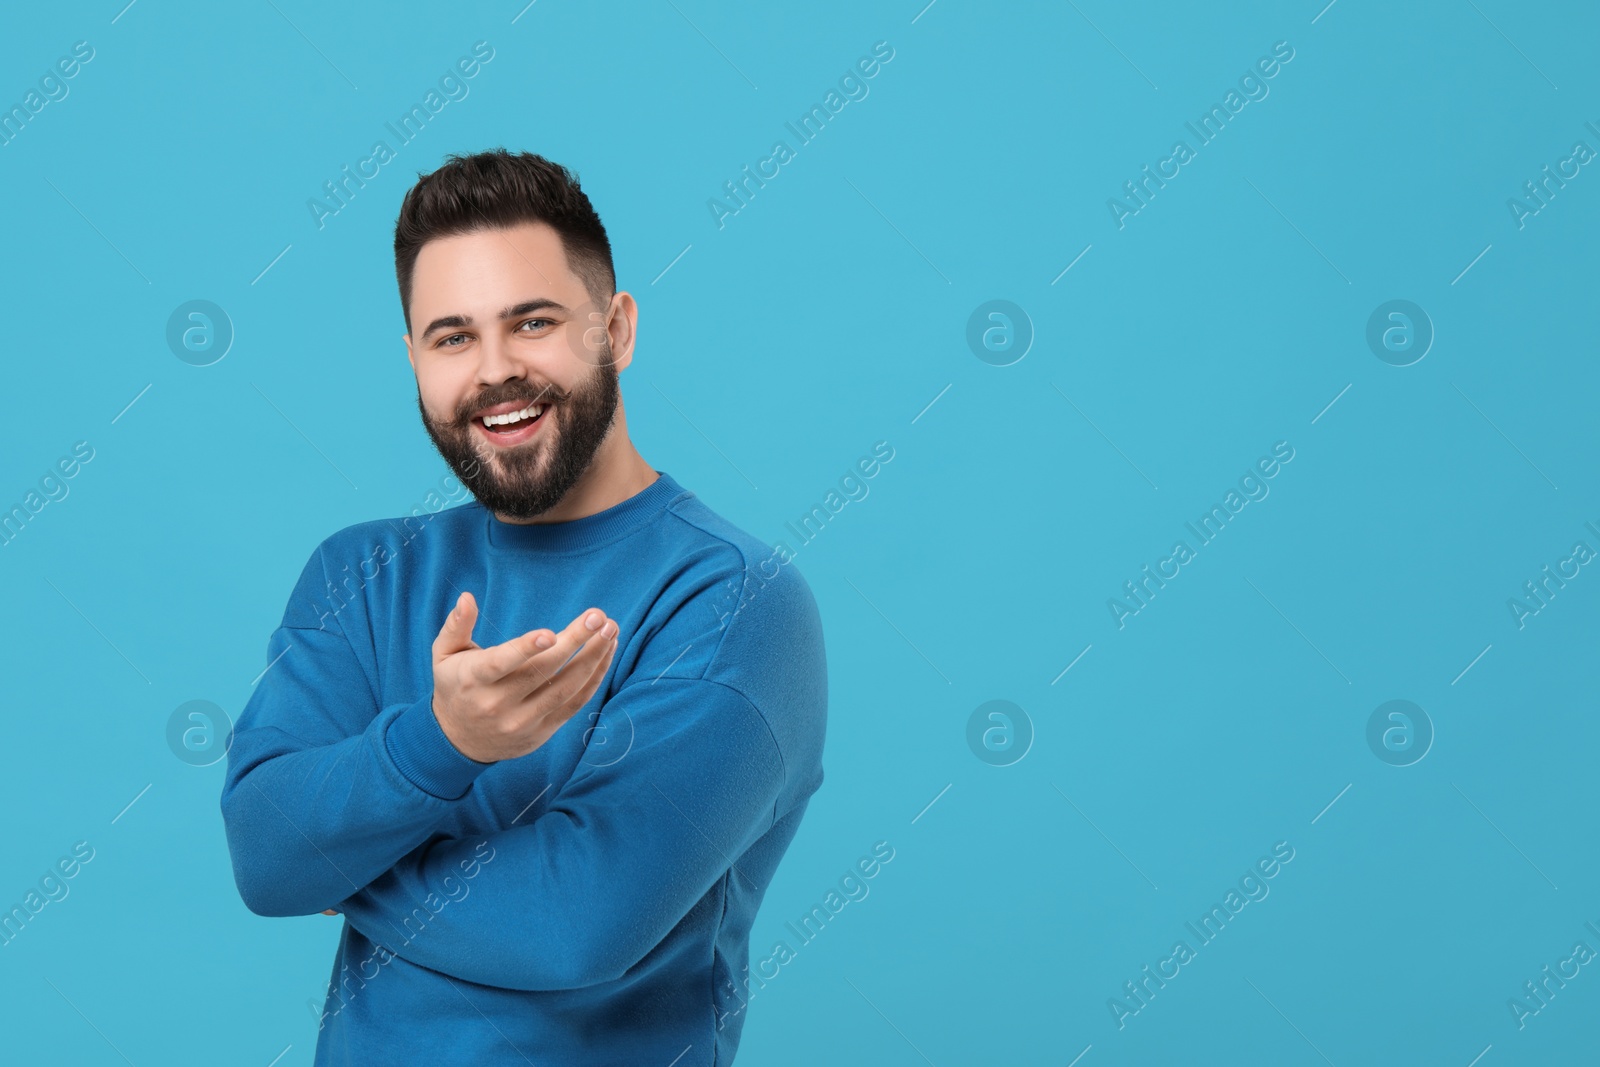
{"x":505,"y":329}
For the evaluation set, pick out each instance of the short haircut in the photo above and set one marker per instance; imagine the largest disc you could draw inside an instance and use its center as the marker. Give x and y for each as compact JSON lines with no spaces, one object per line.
{"x":498,"y":190}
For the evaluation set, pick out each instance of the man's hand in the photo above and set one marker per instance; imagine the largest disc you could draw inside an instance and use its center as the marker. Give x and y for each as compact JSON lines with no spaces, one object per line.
{"x":504,"y":701}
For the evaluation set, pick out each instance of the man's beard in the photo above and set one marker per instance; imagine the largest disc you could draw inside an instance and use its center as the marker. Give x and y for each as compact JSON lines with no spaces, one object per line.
{"x":527,"y":480}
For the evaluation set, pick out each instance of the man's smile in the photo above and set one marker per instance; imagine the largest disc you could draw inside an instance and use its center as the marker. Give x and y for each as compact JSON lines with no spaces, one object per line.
{"x":510,"y":423}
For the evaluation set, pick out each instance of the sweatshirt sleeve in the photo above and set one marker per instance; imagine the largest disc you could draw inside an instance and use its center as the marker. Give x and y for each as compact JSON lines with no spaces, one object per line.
{"x":603,"y":874}
{"x":324,"y":789}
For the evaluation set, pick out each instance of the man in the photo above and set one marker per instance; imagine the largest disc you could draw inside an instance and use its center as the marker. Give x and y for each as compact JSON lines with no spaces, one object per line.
{"x":548,"y":844}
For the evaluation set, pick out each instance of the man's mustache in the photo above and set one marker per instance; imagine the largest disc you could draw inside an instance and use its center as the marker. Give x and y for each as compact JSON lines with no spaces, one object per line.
{"x":547,"y":394}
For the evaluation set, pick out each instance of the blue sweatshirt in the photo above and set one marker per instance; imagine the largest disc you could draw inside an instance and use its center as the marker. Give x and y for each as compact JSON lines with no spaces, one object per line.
{"x":589,"y":903}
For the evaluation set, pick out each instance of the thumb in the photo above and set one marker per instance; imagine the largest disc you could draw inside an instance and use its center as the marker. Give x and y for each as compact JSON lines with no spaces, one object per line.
{"x":456,"y":633}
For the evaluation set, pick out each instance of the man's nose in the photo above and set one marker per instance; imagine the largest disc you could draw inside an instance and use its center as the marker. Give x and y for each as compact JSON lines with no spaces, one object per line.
{"x":495,"y":362}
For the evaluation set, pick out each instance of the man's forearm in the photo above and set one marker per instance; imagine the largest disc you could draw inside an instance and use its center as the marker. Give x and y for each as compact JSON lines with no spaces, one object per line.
{"x":583,"y":892}
{"x":307,"y":827}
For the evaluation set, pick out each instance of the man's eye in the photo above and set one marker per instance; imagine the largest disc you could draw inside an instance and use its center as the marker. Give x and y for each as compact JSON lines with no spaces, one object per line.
{"x":444,"y":342}
{"x":533,"y":322}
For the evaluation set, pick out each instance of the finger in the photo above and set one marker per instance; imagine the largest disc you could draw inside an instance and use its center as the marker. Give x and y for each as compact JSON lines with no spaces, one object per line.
{"x":582,"y":674}
{"x":330,"y":911}
{"x":503,"y":659}
{"x":575,"y":668}
{"x":523,"y":655}
{"x":550,"y":708}
{"x":596,"y":676}
{"x":456,"y":633}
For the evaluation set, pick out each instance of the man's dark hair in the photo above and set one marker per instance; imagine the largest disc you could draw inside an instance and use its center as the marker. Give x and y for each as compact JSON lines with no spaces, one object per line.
{"x":496,"y":190}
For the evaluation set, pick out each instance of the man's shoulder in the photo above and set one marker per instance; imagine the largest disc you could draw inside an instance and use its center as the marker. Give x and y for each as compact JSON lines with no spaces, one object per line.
{"x":748,"y":588}
{"x":396,"y":532}
{"x":742,"y":615}
{"x":351,"y":557}
{"x":739,"y":614}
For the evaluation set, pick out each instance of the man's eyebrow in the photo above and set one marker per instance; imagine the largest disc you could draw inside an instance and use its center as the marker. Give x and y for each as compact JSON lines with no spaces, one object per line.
{"x":457,"y":321}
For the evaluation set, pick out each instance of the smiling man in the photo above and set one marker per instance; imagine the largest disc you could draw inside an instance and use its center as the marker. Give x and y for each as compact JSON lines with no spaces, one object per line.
{"x":545,"y":758}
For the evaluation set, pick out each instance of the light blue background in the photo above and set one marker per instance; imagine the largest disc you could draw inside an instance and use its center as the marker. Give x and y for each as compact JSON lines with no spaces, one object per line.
{"x":825,"y":316}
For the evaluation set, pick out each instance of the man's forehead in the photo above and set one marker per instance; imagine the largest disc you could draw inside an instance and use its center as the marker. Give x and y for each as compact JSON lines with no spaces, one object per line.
{"x":519,"y":254}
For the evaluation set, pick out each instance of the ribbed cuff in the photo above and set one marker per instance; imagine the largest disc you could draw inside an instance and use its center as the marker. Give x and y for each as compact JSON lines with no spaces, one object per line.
{"x":423,"y":753}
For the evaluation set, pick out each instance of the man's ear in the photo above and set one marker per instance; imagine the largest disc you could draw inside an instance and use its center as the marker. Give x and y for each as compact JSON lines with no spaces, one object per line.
{"x":410,"y":357}
{"x":623,"y":329}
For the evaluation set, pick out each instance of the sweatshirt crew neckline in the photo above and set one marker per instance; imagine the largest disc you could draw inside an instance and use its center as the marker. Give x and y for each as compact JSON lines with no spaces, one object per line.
{"x":591,"y":531}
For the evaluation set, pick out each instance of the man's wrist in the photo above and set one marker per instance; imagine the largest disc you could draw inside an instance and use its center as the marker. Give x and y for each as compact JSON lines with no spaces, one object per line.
{"x":447,"y":727}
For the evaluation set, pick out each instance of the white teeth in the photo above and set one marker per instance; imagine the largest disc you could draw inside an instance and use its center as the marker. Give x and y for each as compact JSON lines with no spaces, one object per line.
{"x":529,"y":412}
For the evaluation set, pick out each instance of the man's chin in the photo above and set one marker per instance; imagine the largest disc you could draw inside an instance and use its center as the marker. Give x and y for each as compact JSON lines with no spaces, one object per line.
{"x":516,"y":495}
